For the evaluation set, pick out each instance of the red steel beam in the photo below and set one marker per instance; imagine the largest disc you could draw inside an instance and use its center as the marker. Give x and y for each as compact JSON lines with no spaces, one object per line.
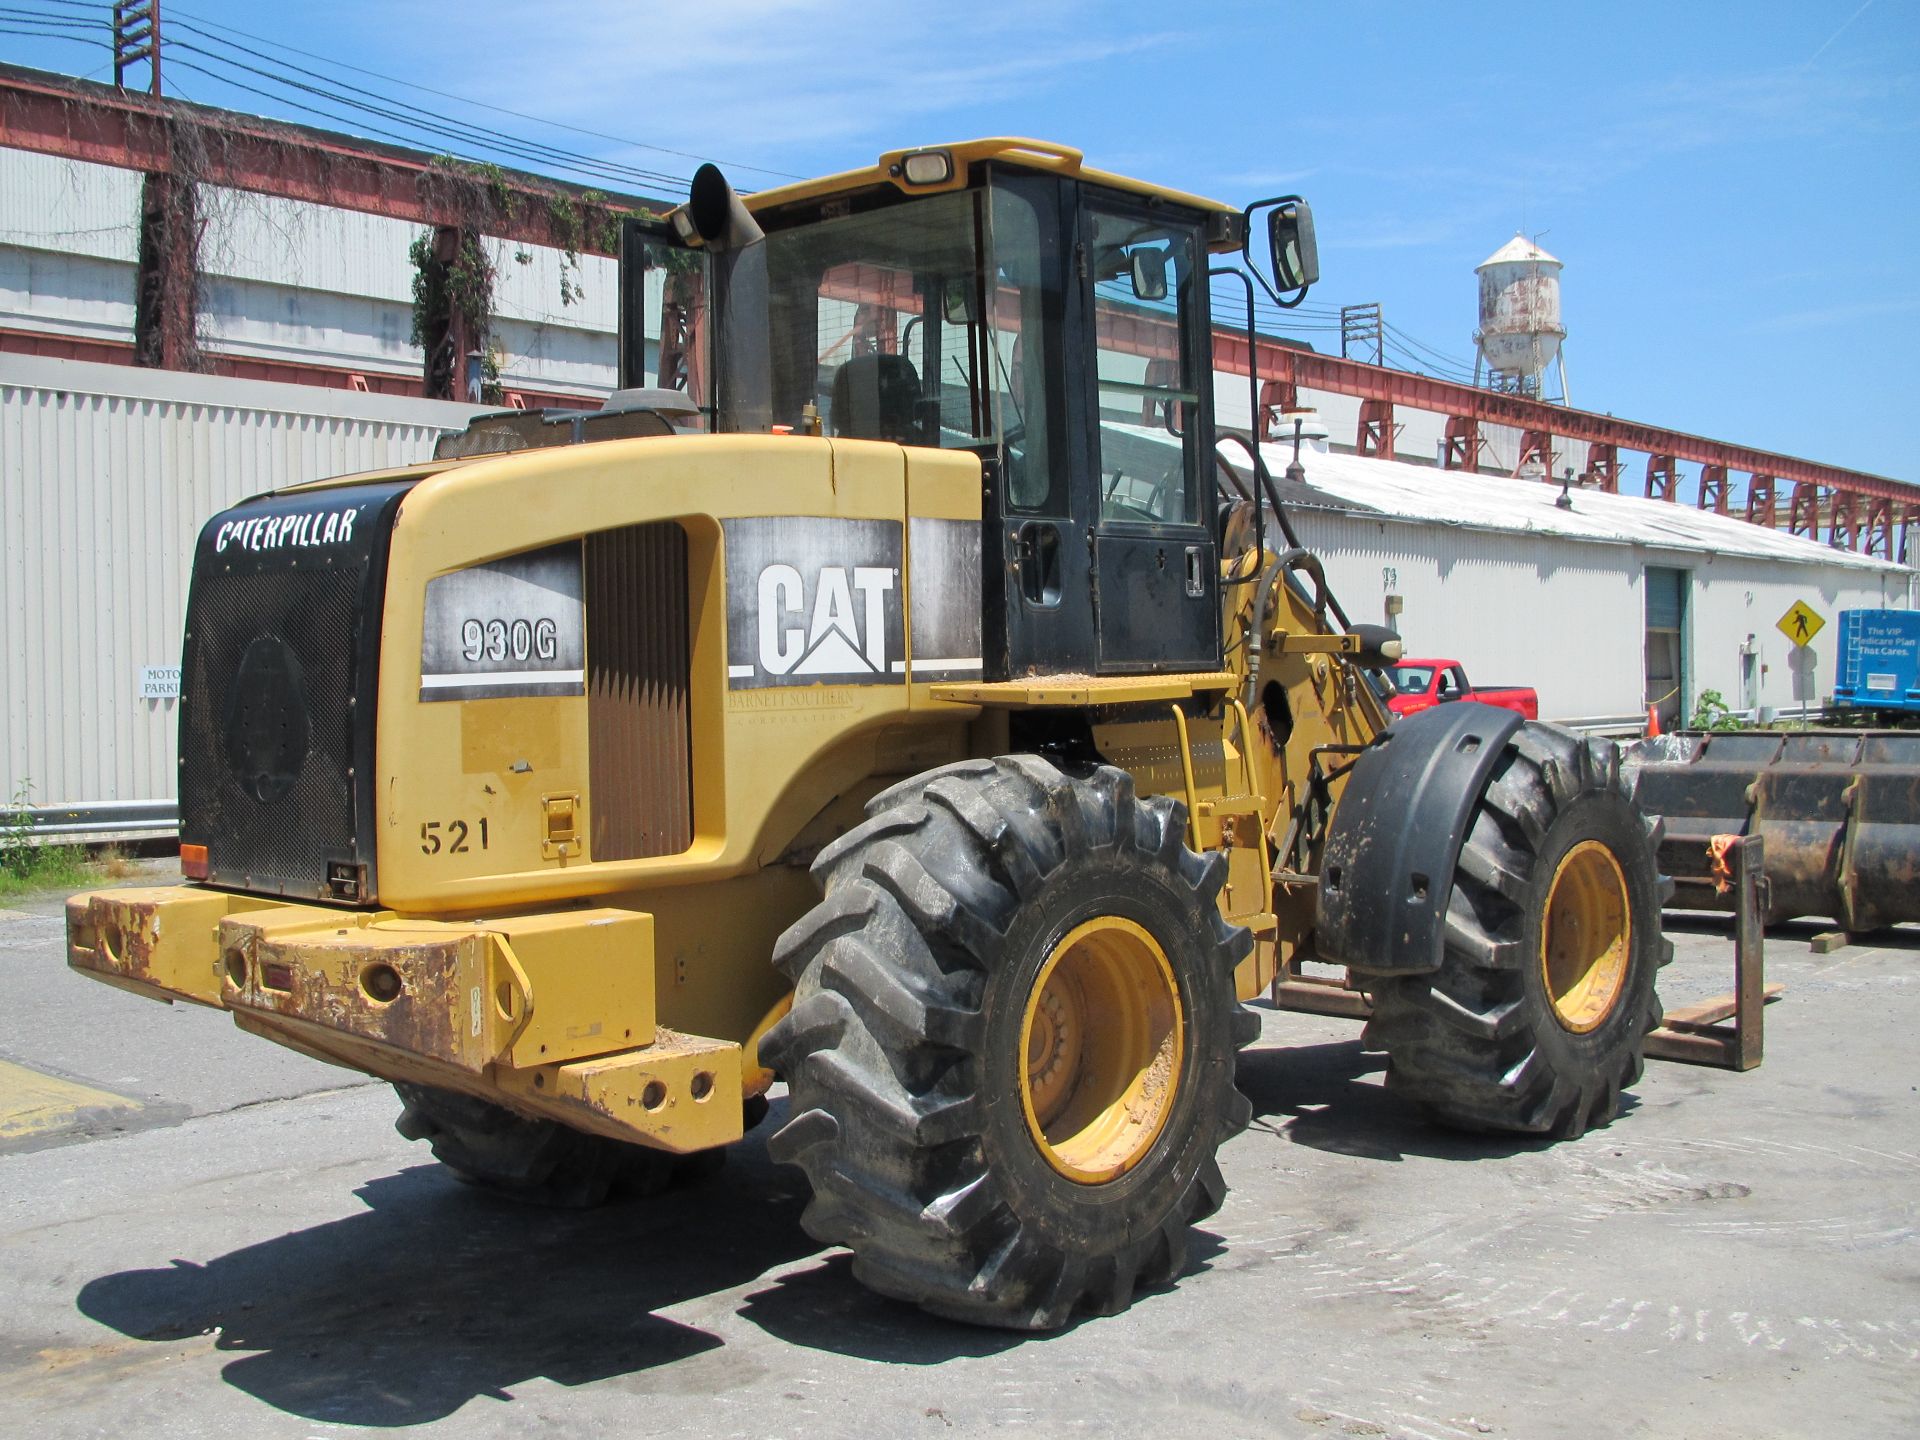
{"x":1536,"y":447}
{"x":1713,"y":488}
{"x":1376,"y":433}
{"x":1803,"y":512}
{"x":1845,"y":527}
{"x":79,"y":120}
{"x":1445,"y":397}
{"x":1603,"y":464}
{"x":1663,"y":479}
{"x":286,"y":372}
{"x":1461,"y":449}
{"x":1277,"y":397}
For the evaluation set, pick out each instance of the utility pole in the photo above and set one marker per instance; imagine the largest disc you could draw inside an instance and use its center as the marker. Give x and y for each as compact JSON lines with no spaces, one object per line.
{"x":1361,"y":331}
{"x":136,"y":37}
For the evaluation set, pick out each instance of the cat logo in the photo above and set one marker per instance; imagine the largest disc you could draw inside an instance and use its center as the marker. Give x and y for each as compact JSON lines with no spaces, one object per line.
{"x":814,"y":601}
{"x":841,"y":637}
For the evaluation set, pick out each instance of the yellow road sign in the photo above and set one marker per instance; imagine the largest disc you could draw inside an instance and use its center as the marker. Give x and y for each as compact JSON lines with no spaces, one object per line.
{"x":1801,"y":623}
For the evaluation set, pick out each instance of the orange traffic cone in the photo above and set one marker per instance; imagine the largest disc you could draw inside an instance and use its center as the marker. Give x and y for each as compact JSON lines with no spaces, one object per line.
{"x":1653,"y":721}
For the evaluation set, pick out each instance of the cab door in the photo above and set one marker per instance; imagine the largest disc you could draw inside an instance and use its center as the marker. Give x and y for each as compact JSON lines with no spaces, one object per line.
{"x":1156,"y":571}
{"x":1039,"y":550}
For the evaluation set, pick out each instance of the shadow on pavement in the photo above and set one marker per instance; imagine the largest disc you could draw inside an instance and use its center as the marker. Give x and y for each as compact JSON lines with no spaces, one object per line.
{"x":1329,"y":1097}
{"x":825,"y":1308}
{"x":438,"y":1293}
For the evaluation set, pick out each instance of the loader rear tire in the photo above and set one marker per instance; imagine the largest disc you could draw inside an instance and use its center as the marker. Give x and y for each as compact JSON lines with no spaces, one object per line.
{"x":1010,"y":1058}
{"x":1537,"y":1018}
{"x":540,"y":1162}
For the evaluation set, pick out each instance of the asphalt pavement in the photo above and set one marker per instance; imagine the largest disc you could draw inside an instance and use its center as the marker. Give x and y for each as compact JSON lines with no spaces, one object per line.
{"x":204,"y":1235}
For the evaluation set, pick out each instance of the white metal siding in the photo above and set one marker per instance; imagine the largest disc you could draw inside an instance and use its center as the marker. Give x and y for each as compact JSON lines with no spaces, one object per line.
{"x":106,"y":475}
{"x":1547,"y":613}
{"x":1568,"y":617}
{"x":286,"y":280}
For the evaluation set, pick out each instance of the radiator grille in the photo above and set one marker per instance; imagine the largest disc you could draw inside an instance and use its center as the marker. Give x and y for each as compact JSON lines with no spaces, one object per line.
{"x":266,"y":737}
{"x":639,"y":740}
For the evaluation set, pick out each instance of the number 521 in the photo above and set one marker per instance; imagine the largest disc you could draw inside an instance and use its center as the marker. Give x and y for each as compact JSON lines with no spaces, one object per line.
{"x":452,"y":837}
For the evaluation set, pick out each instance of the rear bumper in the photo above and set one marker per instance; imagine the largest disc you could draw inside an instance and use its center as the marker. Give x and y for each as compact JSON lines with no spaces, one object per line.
{"x":551,"y":1015}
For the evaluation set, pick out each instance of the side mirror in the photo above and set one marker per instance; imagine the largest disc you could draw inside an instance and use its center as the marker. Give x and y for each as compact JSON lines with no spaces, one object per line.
{"x":1296,"y":259}
{"x":1149,"y":274}
{"x":956,"y":303}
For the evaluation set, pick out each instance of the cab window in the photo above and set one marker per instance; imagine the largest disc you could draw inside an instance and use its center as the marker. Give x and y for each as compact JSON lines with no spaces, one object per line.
{"x":875,"y":319}
{"x":1145,"y":272}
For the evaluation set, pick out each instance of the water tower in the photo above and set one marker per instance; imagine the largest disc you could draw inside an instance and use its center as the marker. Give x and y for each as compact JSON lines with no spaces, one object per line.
{"x":1520,"y":333}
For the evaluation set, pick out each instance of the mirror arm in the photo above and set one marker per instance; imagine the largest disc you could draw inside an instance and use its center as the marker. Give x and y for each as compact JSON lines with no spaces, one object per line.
{"x":1253,"y":404}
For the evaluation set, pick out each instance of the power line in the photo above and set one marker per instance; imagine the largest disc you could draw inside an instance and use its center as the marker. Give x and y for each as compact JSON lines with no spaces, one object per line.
{"x":65,"y":22}
{"x":350,"y":123}
{"x":1440,"y":355}
{"x":464,"y":100}
{"x":428,"y":120}
{"x":440,"y":126}
{"x":524,"y":151}
{"x":7,"y":29}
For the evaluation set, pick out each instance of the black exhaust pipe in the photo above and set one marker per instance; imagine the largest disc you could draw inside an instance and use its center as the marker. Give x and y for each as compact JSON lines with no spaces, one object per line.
{"x":716,"y":214}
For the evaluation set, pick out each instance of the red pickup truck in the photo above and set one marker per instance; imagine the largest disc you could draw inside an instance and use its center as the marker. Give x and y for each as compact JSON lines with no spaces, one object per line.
{"x":1423,"y":684}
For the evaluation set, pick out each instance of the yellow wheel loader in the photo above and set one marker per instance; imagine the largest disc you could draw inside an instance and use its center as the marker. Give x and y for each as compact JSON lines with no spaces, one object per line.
{"x":896,"y":692}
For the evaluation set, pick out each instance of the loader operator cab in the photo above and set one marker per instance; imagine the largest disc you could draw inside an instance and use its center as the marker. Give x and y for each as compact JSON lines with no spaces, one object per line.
{"x":996,"y":297}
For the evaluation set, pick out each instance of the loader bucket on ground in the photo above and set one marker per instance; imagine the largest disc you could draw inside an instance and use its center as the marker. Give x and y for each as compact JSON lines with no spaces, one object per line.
{"x":1840,"y":810}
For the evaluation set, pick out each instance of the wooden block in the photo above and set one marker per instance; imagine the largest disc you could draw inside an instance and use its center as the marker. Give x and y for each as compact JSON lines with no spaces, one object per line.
{"x":1828,"y":941}
{"x":1712,"y":1012}
{"x":1318,"y":998}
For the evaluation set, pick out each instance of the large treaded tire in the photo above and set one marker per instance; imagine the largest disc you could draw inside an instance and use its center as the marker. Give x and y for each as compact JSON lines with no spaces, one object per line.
{"x":903,"y":1053}
{"x":1479,"y":1043}
{"x":538,"y":1161}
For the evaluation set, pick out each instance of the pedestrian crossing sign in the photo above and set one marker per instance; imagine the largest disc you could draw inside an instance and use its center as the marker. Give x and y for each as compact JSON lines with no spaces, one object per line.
{"x":1801,"y":623}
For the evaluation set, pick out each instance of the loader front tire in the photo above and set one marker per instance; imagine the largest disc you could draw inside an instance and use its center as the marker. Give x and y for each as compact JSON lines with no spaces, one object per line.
{"x":1010,"y":1058}
{"x":540,"y":1162}
{"x":1536,"y":1020}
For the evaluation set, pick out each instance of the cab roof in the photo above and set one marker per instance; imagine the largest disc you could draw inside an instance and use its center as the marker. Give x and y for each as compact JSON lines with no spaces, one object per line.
{"x":1045,"y":155}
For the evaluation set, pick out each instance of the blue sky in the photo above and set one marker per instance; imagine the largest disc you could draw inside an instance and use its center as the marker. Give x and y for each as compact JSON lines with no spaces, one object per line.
{"x":1735,"y":189}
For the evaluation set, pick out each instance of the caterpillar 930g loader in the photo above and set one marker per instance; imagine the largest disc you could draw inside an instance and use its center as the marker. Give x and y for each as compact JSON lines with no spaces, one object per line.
{"x":901,"y":697}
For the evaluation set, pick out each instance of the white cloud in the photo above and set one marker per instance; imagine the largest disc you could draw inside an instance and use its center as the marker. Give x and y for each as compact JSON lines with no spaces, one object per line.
{"x":1848,"y":314}
{"x":767,"y":81}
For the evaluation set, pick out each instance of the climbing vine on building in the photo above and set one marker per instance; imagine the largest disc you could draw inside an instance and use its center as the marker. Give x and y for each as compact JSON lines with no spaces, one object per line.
{"x":454,"y":274}
{"x":168,"y":295}
{"x":453,"y":306}
{"x":583,"y":221}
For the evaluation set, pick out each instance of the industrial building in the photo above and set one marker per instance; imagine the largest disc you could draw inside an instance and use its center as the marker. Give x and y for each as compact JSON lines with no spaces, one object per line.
{"x":305,"y":315}
{"x":1603,"y":603}
{"x":107,"y":471}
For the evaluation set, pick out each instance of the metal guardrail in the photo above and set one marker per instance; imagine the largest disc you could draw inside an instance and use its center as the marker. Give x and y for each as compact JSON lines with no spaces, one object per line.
{"x":81,"y":818}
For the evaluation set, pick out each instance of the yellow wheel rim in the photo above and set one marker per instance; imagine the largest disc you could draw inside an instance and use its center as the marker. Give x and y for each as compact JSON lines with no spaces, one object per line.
{"x":1100,"y":1047}
{"x":1587,"y":938}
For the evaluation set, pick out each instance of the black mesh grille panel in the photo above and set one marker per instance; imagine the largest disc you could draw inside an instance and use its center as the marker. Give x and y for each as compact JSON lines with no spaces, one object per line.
{"x":267,"y":739}
{"x":279,"y":676}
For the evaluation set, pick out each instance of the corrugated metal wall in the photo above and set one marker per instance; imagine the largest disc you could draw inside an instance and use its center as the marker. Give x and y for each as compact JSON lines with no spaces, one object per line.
{"x":106,"y":475}
{"x":1568,"y":617}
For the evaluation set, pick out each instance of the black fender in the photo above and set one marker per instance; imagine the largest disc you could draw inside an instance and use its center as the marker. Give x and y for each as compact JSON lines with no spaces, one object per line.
{"x":1387,"y":868}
